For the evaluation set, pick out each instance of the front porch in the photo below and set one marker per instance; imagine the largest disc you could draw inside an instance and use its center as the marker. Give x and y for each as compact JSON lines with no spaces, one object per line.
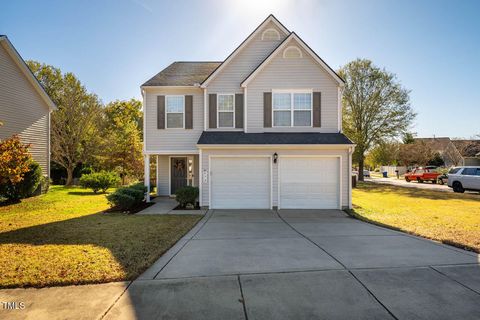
{"x":166,"y":173}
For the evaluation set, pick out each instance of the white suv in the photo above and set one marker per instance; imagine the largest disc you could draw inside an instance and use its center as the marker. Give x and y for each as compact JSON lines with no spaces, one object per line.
{"x":464,"y":178}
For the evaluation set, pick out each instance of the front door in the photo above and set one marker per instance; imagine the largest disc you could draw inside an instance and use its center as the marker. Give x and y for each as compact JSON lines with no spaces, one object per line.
{"x":178,"y":174}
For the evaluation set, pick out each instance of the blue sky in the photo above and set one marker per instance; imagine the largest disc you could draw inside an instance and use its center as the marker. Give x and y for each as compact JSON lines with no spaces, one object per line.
{"x":114,"y":46}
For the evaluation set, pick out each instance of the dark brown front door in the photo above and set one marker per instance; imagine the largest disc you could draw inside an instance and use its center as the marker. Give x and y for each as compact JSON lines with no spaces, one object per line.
{"x":178,"y":174}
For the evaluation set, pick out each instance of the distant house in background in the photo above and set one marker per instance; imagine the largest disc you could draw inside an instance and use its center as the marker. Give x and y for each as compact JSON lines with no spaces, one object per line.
{"x":469,"y":151}
{"x":25,"y":107}
{"x":454,"y":152}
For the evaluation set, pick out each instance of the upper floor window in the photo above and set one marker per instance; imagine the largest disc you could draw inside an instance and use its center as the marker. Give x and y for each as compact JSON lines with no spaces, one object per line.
{"x":175,"y":110}
{"x":226,"y":110}
{"x":292,"y":109}
{"x":270,"y":34}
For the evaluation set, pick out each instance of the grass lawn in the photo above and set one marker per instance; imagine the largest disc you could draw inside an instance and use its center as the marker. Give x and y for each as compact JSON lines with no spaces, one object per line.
{"x":64,"y":237}
{"x":443,"y":216}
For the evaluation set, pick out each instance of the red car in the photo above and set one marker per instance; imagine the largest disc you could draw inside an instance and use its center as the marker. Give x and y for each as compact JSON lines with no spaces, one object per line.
{"x":422,"y":174}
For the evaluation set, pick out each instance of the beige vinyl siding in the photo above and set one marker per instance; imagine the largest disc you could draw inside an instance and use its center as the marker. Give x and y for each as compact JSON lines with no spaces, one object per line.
{"x":164,"y":171}
{"x":229,"y":79}
{"x":172,"y":139}
{"x":297,"y":73}
{"x":233,"y":152}
{"x":23,"y":111}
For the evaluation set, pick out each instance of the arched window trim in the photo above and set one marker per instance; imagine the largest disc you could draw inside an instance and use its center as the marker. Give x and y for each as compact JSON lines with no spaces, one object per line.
{"x":292,"y":48}
{"x":271,"y":29}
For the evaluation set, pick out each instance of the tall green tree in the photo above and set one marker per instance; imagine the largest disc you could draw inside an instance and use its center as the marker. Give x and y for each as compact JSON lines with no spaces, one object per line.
{"x":376,"y":107}
{"x":122,"y":144}
{"x":75,"y":124}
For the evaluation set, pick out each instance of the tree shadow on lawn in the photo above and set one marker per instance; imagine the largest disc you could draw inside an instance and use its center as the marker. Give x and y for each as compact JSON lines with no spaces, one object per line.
{"x":134,"y":241}
{"x":414,"y":192}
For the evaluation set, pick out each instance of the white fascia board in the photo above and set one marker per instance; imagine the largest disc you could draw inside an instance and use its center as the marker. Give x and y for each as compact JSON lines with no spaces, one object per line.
{"x":168,"y":87}
{"x":270,"y":18}
{"x":275,"y":146}
{"x":26,"y":71}
{"x":170,"y":152}
{"x":293,"y":36}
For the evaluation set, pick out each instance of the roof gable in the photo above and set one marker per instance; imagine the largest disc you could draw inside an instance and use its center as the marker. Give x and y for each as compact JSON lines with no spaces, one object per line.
{"x":269,"y":20}
{"x":13,"y":53}
{"x":283,"y":45}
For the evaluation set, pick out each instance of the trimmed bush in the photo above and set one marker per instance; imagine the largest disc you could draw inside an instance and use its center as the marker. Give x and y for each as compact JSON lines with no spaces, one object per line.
{"x":121,"y":201}
{"x":99,"y":180}
{"x":26,"y":187}
{"x":127,"y":197}
{"x":186,"y":195}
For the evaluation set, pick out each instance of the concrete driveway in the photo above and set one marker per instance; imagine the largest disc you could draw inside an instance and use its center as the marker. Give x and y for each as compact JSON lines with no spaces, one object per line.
{"x":295,"y":264}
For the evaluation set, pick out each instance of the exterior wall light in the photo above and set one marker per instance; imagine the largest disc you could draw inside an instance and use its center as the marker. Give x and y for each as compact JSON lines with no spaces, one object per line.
{"x":275,"y":157}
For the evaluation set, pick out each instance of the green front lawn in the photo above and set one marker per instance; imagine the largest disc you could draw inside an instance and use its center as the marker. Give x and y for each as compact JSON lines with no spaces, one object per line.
{"x":64,"y":237}
{"x":443,"y":216}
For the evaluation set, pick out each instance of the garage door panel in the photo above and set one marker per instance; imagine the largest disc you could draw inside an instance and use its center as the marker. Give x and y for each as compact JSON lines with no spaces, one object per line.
{"x":240,"y":182}
{"x":309,"y":183}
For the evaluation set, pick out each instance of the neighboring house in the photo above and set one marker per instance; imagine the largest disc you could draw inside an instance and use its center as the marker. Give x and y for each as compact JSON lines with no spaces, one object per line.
{"x":454,"y":152}
{"x":261,"y":129}
{"x":24,"y":105}
{"x":444,"y":147}
{"x":469,"y":151}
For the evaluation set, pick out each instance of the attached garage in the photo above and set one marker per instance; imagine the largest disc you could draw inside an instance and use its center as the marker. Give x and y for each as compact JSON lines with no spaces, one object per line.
{"x":309,"y":182}
{"x":240,"y":182}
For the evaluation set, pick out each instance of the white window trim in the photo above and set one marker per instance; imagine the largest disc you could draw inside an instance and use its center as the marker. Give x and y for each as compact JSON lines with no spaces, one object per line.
{"x":271,"y":29}
{"x":233,"y":111}
{"x":166,"y":111}
{"x":295,"y":48}
{"x":292,"y":110}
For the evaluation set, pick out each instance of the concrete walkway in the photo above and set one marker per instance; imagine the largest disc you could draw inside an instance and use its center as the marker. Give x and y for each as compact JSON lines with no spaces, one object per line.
{"x":166,"y":205}
{"x":254,"y":264}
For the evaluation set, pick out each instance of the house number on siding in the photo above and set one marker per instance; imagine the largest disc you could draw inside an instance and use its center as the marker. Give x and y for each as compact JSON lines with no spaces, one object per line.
{"x":205,"y":176}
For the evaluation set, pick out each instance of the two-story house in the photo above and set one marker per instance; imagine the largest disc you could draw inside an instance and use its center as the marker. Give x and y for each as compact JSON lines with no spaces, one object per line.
{"x":25,"y":107}
{"x":261,"y":129}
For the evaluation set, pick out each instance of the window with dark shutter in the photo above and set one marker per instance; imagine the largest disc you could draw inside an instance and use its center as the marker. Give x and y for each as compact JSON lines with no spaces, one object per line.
{"x":188,"y":112}
{"x":267,"y":109}
{"x":212,"y":110}
{"x":317,"y":109}
{"x":239,"y":110}
{"x":160,"y":112}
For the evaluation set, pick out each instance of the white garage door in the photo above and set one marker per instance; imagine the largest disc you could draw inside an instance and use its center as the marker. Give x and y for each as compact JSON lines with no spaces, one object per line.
{"x":309,"y":182}
{"x":240,"y":182}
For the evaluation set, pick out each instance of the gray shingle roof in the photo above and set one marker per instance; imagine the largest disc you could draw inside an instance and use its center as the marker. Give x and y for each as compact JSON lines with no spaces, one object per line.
{"x":183,"y":73}
{"x":223,"y":137}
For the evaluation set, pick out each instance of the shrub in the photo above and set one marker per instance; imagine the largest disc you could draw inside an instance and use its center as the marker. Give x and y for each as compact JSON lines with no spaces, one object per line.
{"x":14,"y":160}
{"x":26,"y":187}
{"x":139,"y":186}
{"x":121,"y":201}
{"x":186,"y":195}
{"x":127,"y":197}
{"x":99,"y":180}
{"x":136,"y":194}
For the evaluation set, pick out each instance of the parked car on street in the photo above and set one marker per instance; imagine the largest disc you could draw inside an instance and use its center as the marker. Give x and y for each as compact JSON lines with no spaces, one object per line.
{"x":464,"y":178}
{"x":443,"y":179}
{"x":422,"y":174}
{"x":366,"y":173}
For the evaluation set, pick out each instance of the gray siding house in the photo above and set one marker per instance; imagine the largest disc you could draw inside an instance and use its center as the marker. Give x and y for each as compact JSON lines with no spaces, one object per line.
{"x":261,"y":129}
{"x":25,"y":107}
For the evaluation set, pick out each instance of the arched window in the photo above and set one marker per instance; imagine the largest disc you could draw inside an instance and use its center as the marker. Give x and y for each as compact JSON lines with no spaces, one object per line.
{"x":270,"y":34}
{"x":292,"y":52}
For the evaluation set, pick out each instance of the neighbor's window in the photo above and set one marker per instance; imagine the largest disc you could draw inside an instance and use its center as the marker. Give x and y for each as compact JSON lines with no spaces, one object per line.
{"x":175,"y":107}
{"x":226,"y":110}
{"x":292,"y":109}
